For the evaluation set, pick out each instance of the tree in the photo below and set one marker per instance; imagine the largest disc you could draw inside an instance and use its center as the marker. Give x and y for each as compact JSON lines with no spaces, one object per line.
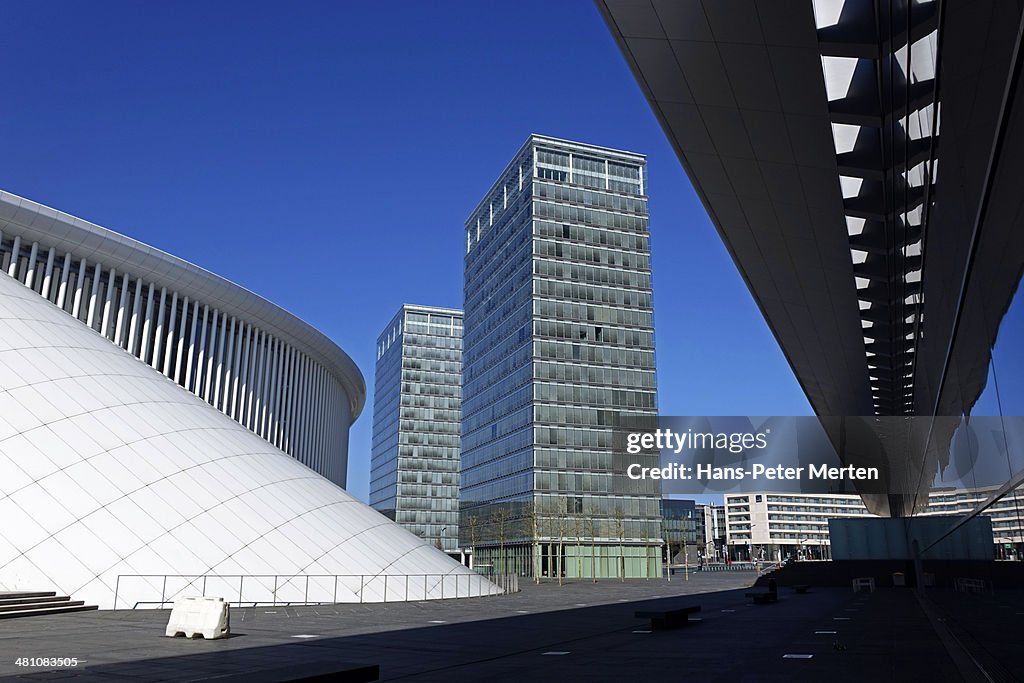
{"x":472,"y":521}
{"x":592,"y":526}
{"x":532,"y":518}
{"x":503,"y":517}
{"x":562,"y":524}
{"x":577,"y":529}
{"x":620,"y":531}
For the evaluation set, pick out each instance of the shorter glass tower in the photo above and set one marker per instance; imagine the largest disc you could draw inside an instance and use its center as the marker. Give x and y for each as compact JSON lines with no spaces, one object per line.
{"x":414,"y":476}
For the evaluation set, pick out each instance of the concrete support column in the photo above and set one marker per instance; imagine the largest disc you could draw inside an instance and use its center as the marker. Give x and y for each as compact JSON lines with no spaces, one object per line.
{"x":65,"y":273}
{"x":158,"y":334}
{"x":30,"y":271}
{"x":48,"y":274}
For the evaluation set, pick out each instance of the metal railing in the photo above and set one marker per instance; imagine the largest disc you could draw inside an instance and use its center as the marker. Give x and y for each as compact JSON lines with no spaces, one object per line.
{"x":731,"y":567}
{"x":137,"y":590}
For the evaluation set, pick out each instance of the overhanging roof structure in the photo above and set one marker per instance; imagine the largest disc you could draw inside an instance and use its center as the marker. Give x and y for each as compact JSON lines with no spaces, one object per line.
{"x":860,"y":161}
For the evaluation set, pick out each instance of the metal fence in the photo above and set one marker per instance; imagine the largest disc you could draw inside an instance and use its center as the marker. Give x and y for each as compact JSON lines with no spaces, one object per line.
{"x":733,"y":567}
{"x":132,"y":591}
{"x":508,"y":583}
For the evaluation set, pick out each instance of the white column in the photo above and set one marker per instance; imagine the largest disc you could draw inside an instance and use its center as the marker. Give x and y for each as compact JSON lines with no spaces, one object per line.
{"x":182,"y":326}
{"x":147,"y":324}
{"x":268,"y":386}
{"x":158,"y":335}
{"x":168,"y":369}
{"x":317,"y":422}
{"x":271,"y":406}
{"x":133,"y":323}
{"x":328,"y":422}
{"x":252,"y":408}
{"x":244,"y":375}
{"x":220,"y":361}
{"x":289,"y":399}
{"x":302,"y":401}
{"x":48,"y":274}
{"x":122,"y":310}
{"x":293,"y":406}
{"x":279,"y":395}
{"x":268,"y":377}
{"x":263,"y":420}
{"x":12,"y":269}
{"x":202,"y":378}
{"x":210,"y":358}
{"x":65,"y":272}
{"x":76,"y":307}
{"x":192,"y":349}
{"x":94,"y":291}
{"x":238,"y":367}
{"x":228,"y":368}
{"x":109,"y":303}
{"x":30,"y":272}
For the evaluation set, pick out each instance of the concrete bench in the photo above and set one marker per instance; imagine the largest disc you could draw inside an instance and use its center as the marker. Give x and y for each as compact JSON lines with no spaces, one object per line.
{"x":668,"y":618}
{"x":801,"y":588}
{"x":966,"y":585}
{"x":864,"y":582}
{"x":763,"y":597}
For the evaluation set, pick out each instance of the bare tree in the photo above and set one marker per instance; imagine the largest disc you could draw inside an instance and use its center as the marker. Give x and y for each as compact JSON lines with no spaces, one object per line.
{"x":620,"y":531}
{"x":531,"y":515}
{"x":592,"y":526}
{"x":503,"y":517}
{"x":563,"y":524}
{"x":577,"y":530}
{"x":644,"y":538}
{"x":472,"y":521}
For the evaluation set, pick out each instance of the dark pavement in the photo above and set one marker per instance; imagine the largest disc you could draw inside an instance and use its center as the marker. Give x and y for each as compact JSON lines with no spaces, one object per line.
{"x":580,"y":631}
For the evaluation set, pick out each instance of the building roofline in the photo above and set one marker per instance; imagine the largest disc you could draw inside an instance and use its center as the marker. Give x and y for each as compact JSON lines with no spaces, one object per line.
{"x":431,"y":309}
{"x":37,"y":222}
{"x":547,"y":139}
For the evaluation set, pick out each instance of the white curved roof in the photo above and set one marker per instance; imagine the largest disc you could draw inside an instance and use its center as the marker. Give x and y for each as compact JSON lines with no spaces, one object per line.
{"x":38,"y":223}
{"x":112,"y":476}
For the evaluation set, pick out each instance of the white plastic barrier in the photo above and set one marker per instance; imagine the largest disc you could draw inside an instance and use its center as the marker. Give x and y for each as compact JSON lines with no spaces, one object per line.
{"x":199,"y":616}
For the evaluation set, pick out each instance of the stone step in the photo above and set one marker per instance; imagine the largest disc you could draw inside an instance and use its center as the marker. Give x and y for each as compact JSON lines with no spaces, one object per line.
{"x":5,"y":595}
{"x":28,"y":601}
{"x":49,"y":610}
{"x":24,"y":607}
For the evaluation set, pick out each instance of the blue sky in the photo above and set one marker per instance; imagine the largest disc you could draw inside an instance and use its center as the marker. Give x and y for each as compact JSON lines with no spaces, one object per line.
{"x":325,"y":156}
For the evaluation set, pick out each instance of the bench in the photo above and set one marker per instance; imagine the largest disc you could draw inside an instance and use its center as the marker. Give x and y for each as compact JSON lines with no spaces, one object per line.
{"x":763,"y":597}
{"x":801,"y":588}
{"x":966,"y":585}
{"x":865,"y":582}
{"x":668,"y":618}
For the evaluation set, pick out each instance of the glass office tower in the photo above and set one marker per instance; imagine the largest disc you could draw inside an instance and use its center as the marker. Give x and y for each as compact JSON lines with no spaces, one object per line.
{"x":414,"y":476}
{"x":559,"y":344}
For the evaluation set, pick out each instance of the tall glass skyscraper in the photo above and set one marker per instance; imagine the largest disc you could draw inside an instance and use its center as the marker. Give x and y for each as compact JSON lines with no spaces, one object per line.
{"x":414,"y":476}
{"x":559,"y":344}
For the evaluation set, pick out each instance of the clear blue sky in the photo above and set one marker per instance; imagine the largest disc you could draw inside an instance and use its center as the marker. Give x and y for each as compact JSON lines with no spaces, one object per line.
{"x":325,"y":155}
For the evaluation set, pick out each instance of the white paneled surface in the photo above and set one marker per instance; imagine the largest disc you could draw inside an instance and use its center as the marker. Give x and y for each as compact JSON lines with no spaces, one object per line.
{"x":116,"y":480}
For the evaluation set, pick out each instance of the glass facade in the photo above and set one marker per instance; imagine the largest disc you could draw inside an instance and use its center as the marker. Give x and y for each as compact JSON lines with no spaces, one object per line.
{"x":414,"y":476}
{"x":559,"y":345}
{"x":683,"y":529}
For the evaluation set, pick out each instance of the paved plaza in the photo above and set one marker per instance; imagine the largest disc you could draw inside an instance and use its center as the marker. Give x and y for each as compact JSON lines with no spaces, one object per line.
{"x":580,"y":631}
